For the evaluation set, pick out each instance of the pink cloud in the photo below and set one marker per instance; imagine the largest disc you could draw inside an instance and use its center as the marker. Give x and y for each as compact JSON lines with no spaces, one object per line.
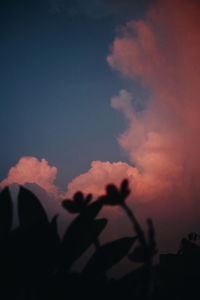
{"x":99,"y":175}
{"x":32,"y":170}
{"x":161,"y":142}
{"x":163,"y":52}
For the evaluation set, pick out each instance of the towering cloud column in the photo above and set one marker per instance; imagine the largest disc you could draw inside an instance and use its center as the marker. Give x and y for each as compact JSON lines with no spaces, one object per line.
{"x":162,"y":51}
{"x":162,"y":141}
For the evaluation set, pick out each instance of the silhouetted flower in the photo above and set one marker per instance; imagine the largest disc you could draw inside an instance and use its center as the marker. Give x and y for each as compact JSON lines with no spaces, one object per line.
{"x":78,"y":203}
{"x":115,"y":196}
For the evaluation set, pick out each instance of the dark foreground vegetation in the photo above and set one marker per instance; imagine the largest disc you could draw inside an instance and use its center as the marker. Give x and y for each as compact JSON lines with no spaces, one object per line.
{"x":35,"y":263}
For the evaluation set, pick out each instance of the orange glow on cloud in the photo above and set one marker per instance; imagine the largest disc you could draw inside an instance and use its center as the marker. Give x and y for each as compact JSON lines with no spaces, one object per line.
{"x":32,"y":170}
{"x":162,"y":51}
{"x":162,"y":142}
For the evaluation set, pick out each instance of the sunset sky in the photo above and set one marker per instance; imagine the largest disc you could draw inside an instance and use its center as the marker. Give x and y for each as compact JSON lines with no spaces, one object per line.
{"x":96,"y":91}
{"x":56,"y":84}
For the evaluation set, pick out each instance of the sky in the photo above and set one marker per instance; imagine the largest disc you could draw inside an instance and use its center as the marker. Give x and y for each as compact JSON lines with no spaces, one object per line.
{"x":96,"y":91}
{"x":56,"y":84}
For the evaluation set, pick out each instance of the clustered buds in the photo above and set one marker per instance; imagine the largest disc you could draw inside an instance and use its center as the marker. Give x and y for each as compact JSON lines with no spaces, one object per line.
{"x":115,"y":196}
{"x":77,"y":203}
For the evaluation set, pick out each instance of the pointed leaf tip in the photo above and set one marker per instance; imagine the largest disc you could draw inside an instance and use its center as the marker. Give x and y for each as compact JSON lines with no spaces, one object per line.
{"x":30,"y":210}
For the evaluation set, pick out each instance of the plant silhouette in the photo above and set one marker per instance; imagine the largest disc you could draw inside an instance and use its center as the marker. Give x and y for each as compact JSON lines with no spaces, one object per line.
{"x":35,"y":263}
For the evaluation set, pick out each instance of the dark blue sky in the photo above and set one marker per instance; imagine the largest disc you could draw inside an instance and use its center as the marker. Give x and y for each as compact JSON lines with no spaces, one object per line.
{"x":56,"y":85}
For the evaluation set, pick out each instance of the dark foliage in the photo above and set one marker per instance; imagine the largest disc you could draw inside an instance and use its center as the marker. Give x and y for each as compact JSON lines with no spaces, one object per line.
{"x":107,"y":256}
{"x":35,"y":263}
{"x":5,"y":214}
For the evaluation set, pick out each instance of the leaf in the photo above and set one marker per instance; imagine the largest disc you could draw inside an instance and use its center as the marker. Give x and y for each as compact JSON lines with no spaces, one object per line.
{"x":5,"y":212}
{"x":30,"y":210}
{"x":91,"y":211}
{"x":11,"y":259}
{"x":138,"y":255}
{"x":55,"y":239}
{"x":84,"y":218}
{"x":30,"y":252}
{"x":100,"y":224}
{"x":70,"y":206}
{"x":33,"y":251}
{"x":108,"y":255}
{"x":78,"y":238}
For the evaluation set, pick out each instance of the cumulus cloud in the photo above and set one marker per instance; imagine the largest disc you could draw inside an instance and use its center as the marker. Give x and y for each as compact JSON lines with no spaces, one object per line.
{"x":151,"y":171}
{"x":162,"y":141}
{"x":99,"y":175}
{"x":162,"y":51}
{"x":32,"y":170}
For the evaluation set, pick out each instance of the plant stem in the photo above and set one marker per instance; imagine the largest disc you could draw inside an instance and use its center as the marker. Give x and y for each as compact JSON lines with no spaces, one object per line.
{"x":135,"y":224}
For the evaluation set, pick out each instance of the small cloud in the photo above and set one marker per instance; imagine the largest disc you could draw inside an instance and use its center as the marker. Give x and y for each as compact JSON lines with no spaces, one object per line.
{"x":32,"y":170}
